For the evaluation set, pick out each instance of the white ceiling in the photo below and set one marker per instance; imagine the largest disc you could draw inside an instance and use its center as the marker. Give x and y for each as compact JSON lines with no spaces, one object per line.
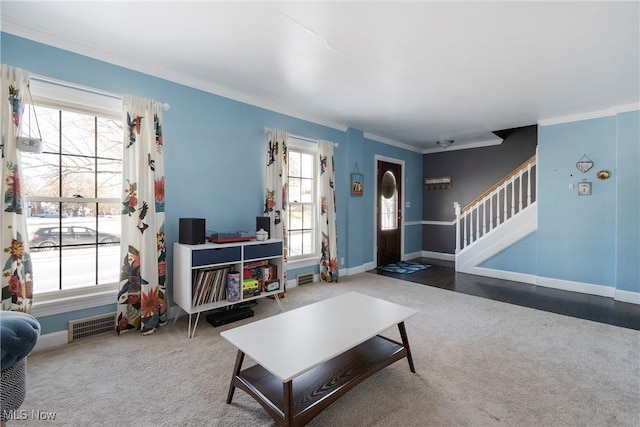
{"x":404,"y":72}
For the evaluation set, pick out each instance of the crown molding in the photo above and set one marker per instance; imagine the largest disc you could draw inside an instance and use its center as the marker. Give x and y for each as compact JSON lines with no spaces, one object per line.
{"x":76,"y":47}
{"x":590,"y":115}
{"x":388,"y":141}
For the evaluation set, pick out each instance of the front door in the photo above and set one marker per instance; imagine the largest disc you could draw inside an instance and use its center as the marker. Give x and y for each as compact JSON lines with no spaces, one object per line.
{"x":389,"y":208}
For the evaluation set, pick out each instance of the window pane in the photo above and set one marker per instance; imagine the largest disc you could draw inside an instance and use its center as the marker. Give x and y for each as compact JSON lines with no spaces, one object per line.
{"x":307,"y":216}
{"x":307,"y":242}
{"x":109,"y":179}
{"x":48,"y":120}
{"x":40,"y":174}
{"x":294,"y":163}
{"x":306,"y":170}
{"x":78,"y":267}
{"x":295,"y":217}
{"x":110,"y":135}
{"x":294,"y":190}
{"x":108,"y":264}
{"x":46,"y":270}
{"x":78,"y":134}
{"x":389,"y":217}
{"x":295,"y":243}
{"x":78,"y":176}
{"x":306,"y":191}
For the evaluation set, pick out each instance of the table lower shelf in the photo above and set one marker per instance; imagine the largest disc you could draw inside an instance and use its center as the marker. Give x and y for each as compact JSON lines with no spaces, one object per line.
{"x":317,"y":388}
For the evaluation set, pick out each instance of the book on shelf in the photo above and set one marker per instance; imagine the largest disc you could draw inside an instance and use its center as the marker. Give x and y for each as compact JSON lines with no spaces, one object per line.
{"x":209,"y":285}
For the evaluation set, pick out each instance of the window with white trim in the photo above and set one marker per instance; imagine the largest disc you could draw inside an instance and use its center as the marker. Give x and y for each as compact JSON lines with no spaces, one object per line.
{"x":73,"y":187}
{"x":302,"y":201}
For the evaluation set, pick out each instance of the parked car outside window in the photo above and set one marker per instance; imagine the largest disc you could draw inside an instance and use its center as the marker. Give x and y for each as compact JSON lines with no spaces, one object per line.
{"x":46,"y":238}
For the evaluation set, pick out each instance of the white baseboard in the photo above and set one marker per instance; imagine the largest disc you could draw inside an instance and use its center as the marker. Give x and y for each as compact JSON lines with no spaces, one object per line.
{"x":627,"y":296}
{"x":438,"y":255}
{"x":52,"y":340}
{"x":568,"y":285}
{"x":504,"y":275}
{"x":412,"y":255}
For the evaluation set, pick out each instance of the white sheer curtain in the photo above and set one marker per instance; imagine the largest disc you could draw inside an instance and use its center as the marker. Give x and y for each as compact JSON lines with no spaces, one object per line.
{"x":142,"y":299}
{"x":17,"y":272}
{"x":327,"y":223}
{"x":275,"y":203}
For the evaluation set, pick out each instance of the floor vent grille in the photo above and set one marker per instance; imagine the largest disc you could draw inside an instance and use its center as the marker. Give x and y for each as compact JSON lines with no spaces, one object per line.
{"x":303,"y":279}
{"x":90,"y":326}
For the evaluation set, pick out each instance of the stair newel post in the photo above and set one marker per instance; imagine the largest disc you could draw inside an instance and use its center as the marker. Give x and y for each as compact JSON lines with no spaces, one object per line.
{"x":456,"y":208}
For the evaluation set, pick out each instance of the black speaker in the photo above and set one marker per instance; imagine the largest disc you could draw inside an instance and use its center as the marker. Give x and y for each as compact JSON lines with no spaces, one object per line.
{"x":191,"y":231}
{"x":264,"y":222}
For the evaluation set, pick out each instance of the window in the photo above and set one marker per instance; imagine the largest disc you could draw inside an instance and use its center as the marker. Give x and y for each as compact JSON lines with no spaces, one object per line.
{"x":302,"y":200}
{"x":73,"y":187}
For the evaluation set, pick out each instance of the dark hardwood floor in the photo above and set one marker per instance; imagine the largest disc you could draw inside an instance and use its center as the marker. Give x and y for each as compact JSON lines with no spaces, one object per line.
{"x":442,"y":275}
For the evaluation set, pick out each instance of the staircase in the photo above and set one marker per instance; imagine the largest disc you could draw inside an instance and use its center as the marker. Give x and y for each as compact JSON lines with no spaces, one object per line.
{"x":497,"y":219}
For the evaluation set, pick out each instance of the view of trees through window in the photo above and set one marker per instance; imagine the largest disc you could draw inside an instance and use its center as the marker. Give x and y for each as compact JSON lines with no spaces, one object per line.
{"x":73,"y":191}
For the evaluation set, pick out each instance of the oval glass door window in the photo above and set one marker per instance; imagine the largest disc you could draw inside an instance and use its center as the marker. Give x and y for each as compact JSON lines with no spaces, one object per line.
{"x":388,"y":185}
{"x":389,"y":209}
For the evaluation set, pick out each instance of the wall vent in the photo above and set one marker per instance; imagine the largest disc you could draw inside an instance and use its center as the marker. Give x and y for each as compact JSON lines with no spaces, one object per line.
{"x":90,"y":326}
{"x":303,"y":279}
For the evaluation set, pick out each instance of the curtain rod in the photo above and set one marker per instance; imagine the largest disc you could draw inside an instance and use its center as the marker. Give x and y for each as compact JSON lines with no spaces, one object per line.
{"x":62,"y":83}
{"x":304,"y":138}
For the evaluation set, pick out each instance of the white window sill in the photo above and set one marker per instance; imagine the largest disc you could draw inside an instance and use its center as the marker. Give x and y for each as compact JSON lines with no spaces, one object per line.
{"x":73,"y":300}
{"x":301,"y":263}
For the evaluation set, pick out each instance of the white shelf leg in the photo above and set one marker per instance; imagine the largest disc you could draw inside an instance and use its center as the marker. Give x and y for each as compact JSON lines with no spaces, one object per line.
{"x":195,"y":325}
{"x":175,"y":319}
{"x":279,"y":304}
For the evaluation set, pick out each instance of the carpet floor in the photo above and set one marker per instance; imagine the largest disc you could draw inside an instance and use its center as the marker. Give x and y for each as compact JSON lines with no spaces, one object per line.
{"x":478,"y":363}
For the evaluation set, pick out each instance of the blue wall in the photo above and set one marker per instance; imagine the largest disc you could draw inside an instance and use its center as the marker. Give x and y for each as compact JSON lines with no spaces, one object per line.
{"x":585,"y":239}
{"x":628,"y":202}
{"x":521,"y":257}
{"x":215,"y":154}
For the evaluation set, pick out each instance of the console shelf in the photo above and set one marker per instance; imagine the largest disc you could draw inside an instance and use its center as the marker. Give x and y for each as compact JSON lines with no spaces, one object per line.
{"x":188,"y":260}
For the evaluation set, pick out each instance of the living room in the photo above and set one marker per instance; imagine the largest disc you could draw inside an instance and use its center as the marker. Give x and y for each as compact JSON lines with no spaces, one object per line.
{"x":215,"y":150}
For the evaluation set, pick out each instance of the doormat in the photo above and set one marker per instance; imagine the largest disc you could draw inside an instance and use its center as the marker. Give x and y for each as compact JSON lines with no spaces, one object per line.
{"x":403,"y":267}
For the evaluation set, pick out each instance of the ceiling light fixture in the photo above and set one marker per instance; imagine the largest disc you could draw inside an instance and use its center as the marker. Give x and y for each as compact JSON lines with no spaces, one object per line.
{"x":444,"y":143}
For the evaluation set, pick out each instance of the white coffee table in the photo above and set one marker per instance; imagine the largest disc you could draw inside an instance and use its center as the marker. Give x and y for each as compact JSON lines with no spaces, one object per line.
{"x":308,"y":357}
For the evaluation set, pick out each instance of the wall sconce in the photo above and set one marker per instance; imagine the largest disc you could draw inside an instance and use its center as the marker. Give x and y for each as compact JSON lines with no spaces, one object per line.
{"x":444,"y":143}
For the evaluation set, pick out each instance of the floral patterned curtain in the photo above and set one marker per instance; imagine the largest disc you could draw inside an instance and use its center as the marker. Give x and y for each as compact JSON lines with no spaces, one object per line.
{"x":275,"y":204}
{"x":142,"y":299}
{"x":17,"y":272}
{"x":328,"y":225}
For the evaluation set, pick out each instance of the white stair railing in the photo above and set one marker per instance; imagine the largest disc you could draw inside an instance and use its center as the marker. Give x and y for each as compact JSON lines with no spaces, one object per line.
{"x":506,"y":198}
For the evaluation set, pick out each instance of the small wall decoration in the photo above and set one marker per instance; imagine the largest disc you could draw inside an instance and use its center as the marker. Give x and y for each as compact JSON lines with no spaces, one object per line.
{"x":603,"y":175}
{"x":441,"y":182}
{"x":357,"y":182}
{"x":584,"y":164}
{"x":584,"y":188}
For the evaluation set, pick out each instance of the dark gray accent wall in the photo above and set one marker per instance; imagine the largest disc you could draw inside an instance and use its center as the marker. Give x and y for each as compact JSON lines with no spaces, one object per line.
{"x":472,"y":172}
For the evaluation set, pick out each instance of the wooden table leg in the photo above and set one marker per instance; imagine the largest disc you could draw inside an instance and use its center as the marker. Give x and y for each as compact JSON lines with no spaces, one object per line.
{"x":288,"y":404}
{"x":405,"y":342}
{"x":236,"y":372}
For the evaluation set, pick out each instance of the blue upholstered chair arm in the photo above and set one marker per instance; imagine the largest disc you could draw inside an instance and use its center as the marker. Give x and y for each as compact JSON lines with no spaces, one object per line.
{"x":18,"y":336}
